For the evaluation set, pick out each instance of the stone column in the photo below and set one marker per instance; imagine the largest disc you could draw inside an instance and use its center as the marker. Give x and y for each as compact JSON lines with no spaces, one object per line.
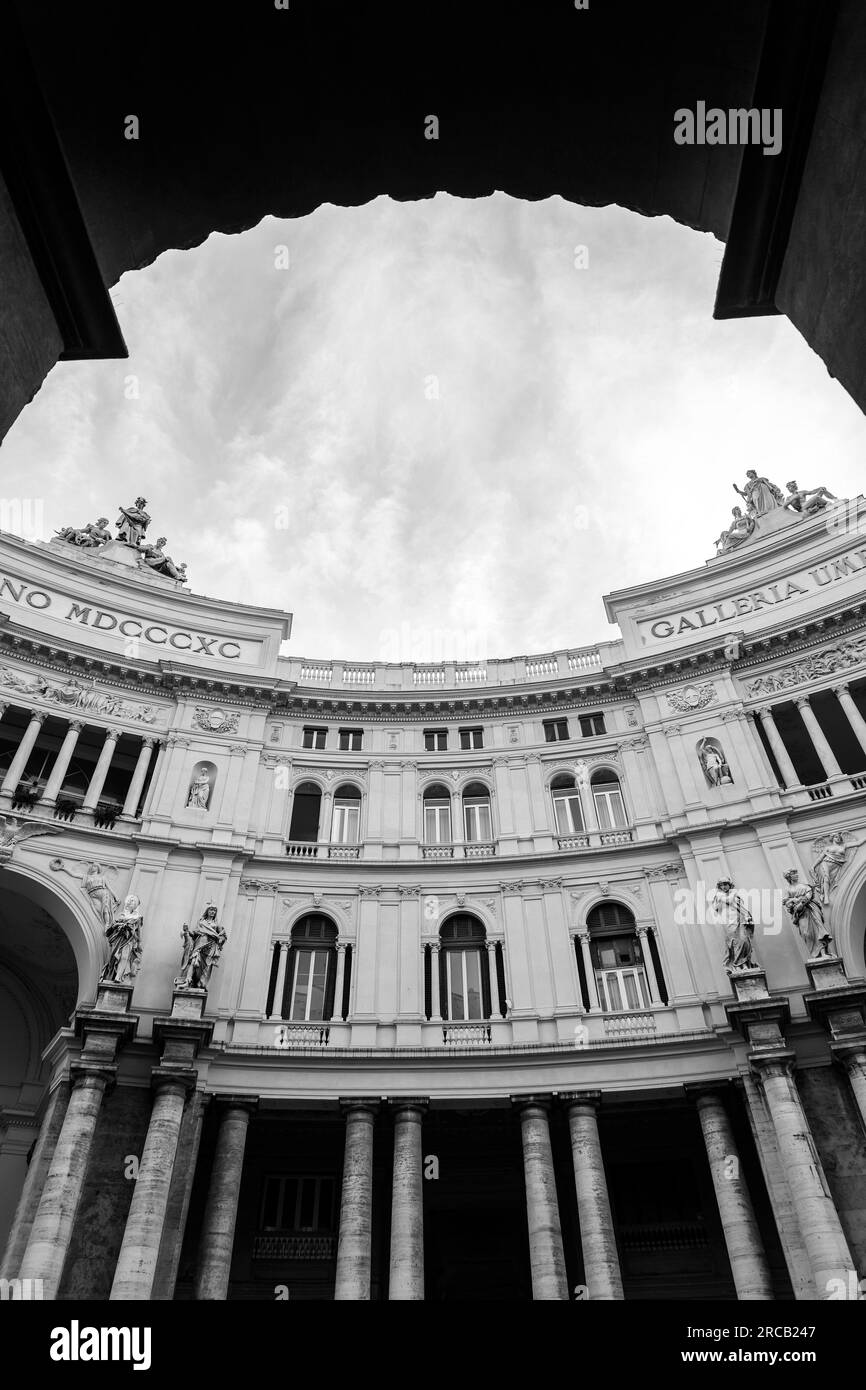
{"x":589,"y":971}
{"x":22,"y":753}
{"x":406,"y":1270}
{"x":819,"y":1223}
{"x":855,"y":718}
{"x":284,"y":948}
{"x":337,"y":1013}
{"x":100,"y":772}
{"x":354,"y":1246}
{"x":221,"y":1210}
{"x":51,"y":1231}
{"x":174,"y":1226}
{"x":435,"y":990}
{"x":643,"y":932}
{"x":61,"y":763}
{"x":493,"y":981}
{"x":742,"y":1237}
{"x":130,"y":805}
{"x":34,"y":1180}
{"x":854,"y":1061}
{"x":818,"y":737}
{"x":156,"y":781}
{"x":139,"y":1250}
{"x":598,"y":1242}
{"x":780,"y":752}
{"x":546,"y":1257}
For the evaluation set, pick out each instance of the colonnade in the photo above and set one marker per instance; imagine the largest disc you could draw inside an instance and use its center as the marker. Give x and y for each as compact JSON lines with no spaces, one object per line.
{"x":818,"y":739}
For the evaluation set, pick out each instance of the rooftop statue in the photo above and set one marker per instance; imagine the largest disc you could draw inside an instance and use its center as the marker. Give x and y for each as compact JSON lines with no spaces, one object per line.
{"x":156,"y":559}
{"x":133,"y":522}
{"x":759,"y":494}
{"x":95,"y":533}
{"x":739,"y":530}
{"x":807,"y":500}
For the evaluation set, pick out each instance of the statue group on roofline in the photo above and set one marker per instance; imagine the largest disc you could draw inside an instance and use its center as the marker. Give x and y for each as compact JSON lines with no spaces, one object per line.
{"x":761,"y":496}
{"x":131,"y":526}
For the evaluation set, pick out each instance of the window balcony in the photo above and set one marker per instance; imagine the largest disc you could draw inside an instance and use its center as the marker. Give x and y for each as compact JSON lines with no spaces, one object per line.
{"x":480,"y":849}
{"x":438,"y":851}
{"x":302,"y":849}
{"x":637,"y":1025}
{"x":304,"y":1035}
{"x":344,"y":851}
{"x":573,"y":841}
{"x":295,"y":1246}
{"x":616,"y":837}
{"x":463,"y":1033}
{"x":595,"y":839}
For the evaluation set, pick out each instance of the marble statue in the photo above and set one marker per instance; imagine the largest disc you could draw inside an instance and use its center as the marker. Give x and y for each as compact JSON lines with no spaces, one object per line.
{"x":199,"y":790}
{"x":712,"y":759}
{"x":132,"y":523}
{"x":739,"y":530}
{"x":13,"y":832}
{"x":202,"y":948}
{"x":802,"y":902}
{"x":739,"y":927}
{"x":95,"y":533}
{"x":124,"y":941}
{"x":807,"y":499}
{"x":102,"y":899}
{"x":832,"y":854}
{"x":759,"y":494}
{"x":156,"y":559}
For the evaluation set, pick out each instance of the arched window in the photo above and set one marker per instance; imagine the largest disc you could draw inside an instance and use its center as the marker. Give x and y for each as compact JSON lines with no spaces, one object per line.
{"x":477,"y":821}
{"x":308,"y":994}
{"x":607,"y":795}
{"x":465,"y":968}
{"x":566,"y":805}
{"x":617,"y":959}
{"x":437,"y":815}
{"x":346,"y":821}
{"x":306,"y":808}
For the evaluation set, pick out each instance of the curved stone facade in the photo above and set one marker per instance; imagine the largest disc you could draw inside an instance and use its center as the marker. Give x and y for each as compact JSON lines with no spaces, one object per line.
{"x":471,"y":1026}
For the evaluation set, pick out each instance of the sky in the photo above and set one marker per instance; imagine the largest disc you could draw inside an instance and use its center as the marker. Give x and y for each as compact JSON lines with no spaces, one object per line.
{"x":434,"y":430}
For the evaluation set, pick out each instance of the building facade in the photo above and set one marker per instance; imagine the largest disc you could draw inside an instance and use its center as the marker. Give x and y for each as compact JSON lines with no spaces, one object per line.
{"x":463,"y":981}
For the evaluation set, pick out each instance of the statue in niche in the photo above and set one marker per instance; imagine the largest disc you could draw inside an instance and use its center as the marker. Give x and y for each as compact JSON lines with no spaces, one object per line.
{"x":200,"y":788}
{"x":94,"y":534}
{"x":132,"y":523}
{"x":802,"y":902}
{"x":13,"y":832}
{"x":739,"y":530}
{"x":739,"y":927}
{"x":156,"y":559}
{"x":202,"y":948}
{"x":759,"y":494}
{"x":714,"y":763}
{"x":807,"y":500}
{"x":832,"y":855}
{"x":124,"y":941}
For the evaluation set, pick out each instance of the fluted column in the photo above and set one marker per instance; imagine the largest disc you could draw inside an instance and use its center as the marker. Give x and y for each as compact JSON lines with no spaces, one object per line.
{"x":221,"y":1210}
{"x":130,"y":805}
{"x":818,"y":737}
{"x":643,"y":932}
{"x":743,"y":1239}
{"x":598,"y":1242}
{"x":589,"y":971}
{"x":817,"y":1217}
{"x":337,"y":1013}
{"x":34,"y":1181}
{"x":100,"y":772}
{"x":51,"y":1232}
{"x":435,"y":984}
{"x":354,"y":1245}
{"x":780,"y":752}
{"x":139,"y":1250}
{"x":61,"y":763}
{"x":855,"y":718}
{"x":406,"y":1274}
{"x":22,"y":753}
{"x":546,"y":1257}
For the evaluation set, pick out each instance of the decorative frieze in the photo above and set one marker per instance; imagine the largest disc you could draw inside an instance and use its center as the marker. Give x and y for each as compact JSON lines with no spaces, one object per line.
{"x":840,"y":657}
{"x":75,"y":694}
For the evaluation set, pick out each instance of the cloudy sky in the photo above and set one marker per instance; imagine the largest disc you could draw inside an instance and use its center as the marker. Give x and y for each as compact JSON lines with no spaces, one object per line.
{"x":435,"y":429}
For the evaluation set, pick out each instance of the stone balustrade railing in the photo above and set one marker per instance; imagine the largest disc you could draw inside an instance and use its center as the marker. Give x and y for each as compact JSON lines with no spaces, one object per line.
{"x":450,"y":675}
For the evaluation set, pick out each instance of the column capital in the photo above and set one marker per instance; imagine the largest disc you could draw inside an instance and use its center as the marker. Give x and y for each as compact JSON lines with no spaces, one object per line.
{"x":149,"y":740}
{"x":779,"y":1063}
{"x":38,"y":716}
{"x":590,"y":1099}
{"x":76,"y":724}
{"x":534,"y":1102}
{"x":162,"y":1079}
{"x":396,"y":1103}
{"x":230,"y":1101}
{"x":370,"y":1103}
{"x":709,"y":1091}
{"x":801,"y":700}
{"x":838,"y":687}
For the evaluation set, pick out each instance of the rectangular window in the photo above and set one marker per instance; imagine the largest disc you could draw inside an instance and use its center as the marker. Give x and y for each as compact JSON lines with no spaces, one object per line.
{"x":555,"y":730}
{"x":621,"y":990}
{"x":346,"y":823}
{"x":609,"y":806}
{"x":309,"y":978}
{"x":476,"y":819}
{"x":591,"y":724}
{"x":569,"y":814}
{"x":350,"y":740}
{"x":463,"y":983}
{"x":471,"y":738}
{"x":437,"y":823}
{"x":298,"y":1204}
{"x":314,"y":738}
{"x":435,"y":740}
